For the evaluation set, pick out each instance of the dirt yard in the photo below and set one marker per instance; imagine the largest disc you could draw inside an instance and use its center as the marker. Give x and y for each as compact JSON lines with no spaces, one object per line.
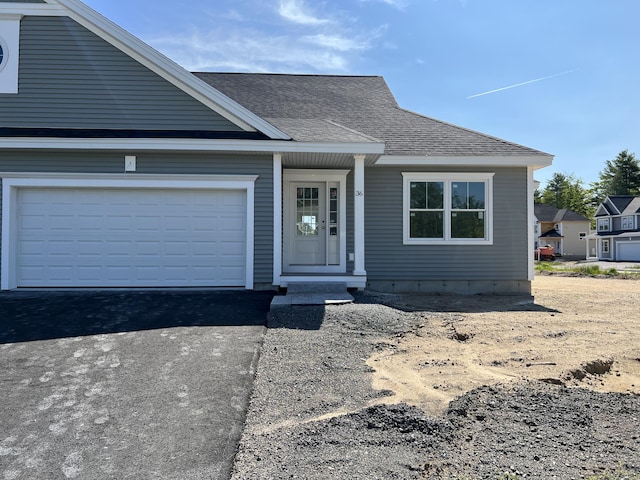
{"x":579,"y":332}
{"x":446,"y":387}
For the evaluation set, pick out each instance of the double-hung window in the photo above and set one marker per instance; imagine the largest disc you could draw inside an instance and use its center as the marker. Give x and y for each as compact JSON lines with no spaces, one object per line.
{"x":603,"y":224}
{"x":451,"y":208}
{"x":627,"y":223}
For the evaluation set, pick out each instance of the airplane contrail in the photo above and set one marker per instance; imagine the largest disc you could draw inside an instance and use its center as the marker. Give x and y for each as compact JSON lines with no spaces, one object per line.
{"x":520,"y":84}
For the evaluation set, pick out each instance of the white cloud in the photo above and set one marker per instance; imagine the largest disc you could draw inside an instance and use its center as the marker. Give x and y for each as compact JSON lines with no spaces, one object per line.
{"x":336,"y":42}
{"x":323,"y":45}
{"x":255,"y":52}
{"x":295,"y":11}
{"x":399,"y":4}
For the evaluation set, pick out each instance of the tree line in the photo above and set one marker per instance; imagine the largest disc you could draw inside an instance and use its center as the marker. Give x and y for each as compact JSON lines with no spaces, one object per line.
{"x":620,"y":176}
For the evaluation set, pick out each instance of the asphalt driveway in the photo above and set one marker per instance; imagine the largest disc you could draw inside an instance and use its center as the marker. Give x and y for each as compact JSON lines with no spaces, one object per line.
{"x":145,"y":385}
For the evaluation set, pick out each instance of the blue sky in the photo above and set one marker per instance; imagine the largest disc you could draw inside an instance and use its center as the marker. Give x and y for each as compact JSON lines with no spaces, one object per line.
{"x":573,"y":65}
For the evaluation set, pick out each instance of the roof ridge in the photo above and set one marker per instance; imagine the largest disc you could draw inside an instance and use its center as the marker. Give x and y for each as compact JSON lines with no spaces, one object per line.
{"x":255,"y":74}
{"x":337,"y":124}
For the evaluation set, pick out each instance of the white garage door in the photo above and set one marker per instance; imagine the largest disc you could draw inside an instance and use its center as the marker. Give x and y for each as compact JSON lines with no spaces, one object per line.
{"x":100,"y":237}
{"x":629,"y":251}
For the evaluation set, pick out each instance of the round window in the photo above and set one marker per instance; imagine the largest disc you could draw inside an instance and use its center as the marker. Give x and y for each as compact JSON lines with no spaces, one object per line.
{"x":3,"y":54}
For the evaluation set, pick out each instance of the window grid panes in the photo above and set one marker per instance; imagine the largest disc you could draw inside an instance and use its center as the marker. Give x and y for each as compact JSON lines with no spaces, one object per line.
{"x":426,"y":209}
{"x":467,"y":209}
{"x":603,"y":224}
{"x":307,"y":210}
{"x":333,"y":211}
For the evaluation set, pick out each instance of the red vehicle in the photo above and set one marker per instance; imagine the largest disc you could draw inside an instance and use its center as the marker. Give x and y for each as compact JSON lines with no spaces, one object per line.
{"x":545,"y":253}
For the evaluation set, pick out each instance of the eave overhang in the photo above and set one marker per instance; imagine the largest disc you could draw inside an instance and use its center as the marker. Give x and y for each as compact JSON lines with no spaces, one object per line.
{"x":188,"y":145}
{"x":535,"y":161}
{"x":36,"y":9}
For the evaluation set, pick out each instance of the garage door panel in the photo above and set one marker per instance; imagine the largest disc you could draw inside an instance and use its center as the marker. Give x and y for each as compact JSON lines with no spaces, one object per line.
{"x":629,"y":251}
{"x":122,"y":237}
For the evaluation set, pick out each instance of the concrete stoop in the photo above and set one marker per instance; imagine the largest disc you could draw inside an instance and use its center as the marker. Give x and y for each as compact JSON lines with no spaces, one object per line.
{"x":321,"y":293}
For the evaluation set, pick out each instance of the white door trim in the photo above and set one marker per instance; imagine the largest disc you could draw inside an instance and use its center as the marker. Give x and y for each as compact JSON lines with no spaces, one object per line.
{"x":317,"y":175}
{"x":12,"y":182}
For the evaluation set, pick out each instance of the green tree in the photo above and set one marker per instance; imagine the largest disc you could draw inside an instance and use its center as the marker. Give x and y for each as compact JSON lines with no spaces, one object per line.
{"x":567,"y":191}
{"x":621,"y":176}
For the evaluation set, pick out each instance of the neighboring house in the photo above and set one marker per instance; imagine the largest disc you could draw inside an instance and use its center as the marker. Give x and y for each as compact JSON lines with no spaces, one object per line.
{"x":121,"y":169}
{"x":565,"y":230}
{"x":617,"y":233}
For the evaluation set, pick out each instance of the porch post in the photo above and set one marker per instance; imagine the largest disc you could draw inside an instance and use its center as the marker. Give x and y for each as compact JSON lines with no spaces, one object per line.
{"x":531,"y":222}
{"x":277,"y":218}
{"x":358,"y":215}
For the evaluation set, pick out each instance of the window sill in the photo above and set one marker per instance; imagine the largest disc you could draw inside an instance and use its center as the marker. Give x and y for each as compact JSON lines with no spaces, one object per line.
{"x":447,"y":242}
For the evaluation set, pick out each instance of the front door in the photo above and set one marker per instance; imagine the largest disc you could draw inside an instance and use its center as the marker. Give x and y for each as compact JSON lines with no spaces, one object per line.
{"x":309,"y":223}
{"x":314,"y":218}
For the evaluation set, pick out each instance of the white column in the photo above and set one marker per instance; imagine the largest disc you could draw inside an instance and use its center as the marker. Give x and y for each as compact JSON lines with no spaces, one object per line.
{"x":277,"y":218}
{"x":358,"y":215}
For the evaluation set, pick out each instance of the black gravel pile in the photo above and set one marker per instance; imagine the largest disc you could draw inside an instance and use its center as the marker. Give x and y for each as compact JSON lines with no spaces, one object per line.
{"x":540,"y":431}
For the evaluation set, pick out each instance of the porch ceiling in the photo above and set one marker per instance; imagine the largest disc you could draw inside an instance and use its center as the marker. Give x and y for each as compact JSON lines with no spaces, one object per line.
{"x":324,"y":160}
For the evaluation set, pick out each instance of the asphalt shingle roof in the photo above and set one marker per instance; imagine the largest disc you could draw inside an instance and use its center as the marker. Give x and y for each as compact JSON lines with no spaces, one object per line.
{"x":549,"y":213}
{"x":362,"y":104}
{"x":626,"y":204}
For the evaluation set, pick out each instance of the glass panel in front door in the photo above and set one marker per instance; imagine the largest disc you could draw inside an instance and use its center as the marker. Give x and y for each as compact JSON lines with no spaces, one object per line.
{"x":307,"y":211}
{"x":333,"y":246}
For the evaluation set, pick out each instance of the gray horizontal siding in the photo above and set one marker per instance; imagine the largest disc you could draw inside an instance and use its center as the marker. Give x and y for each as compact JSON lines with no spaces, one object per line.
{"x":165,"y":163}
{"x":71,"y":78}
{"x":387,"y":259}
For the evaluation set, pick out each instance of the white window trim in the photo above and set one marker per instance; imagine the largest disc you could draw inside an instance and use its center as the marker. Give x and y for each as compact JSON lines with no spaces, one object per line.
{"x":447,"y":178}
{"x":606,"y":246}
{"x":604,"y":224}
{"x":13,"y":182}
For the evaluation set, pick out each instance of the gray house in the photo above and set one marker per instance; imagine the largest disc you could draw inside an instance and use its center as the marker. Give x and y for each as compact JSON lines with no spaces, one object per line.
{"x":121,"y":169}
{"x":618,"y":229}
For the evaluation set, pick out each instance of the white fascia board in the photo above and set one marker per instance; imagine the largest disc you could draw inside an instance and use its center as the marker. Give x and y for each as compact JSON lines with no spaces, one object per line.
{"x":36,"y":9}
{"x":168,"y":69}
{"x":48,"y":179}
{"x":611,"y":204}
{"x":477,"y":161}
{"x":191,"y":145}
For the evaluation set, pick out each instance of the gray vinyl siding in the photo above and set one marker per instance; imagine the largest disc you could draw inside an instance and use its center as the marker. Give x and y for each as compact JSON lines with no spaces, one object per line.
{"x":167,"y":163}
{"x":387,"y":259}
{"x":71,"y":78}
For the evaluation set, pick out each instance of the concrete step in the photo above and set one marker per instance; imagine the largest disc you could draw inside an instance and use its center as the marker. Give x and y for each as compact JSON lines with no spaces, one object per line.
{"x":306,"y":293}
{"x":316,"y":287}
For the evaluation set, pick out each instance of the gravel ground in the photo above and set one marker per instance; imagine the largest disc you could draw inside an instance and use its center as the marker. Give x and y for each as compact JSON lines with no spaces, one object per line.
{"x":314,"y":414}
